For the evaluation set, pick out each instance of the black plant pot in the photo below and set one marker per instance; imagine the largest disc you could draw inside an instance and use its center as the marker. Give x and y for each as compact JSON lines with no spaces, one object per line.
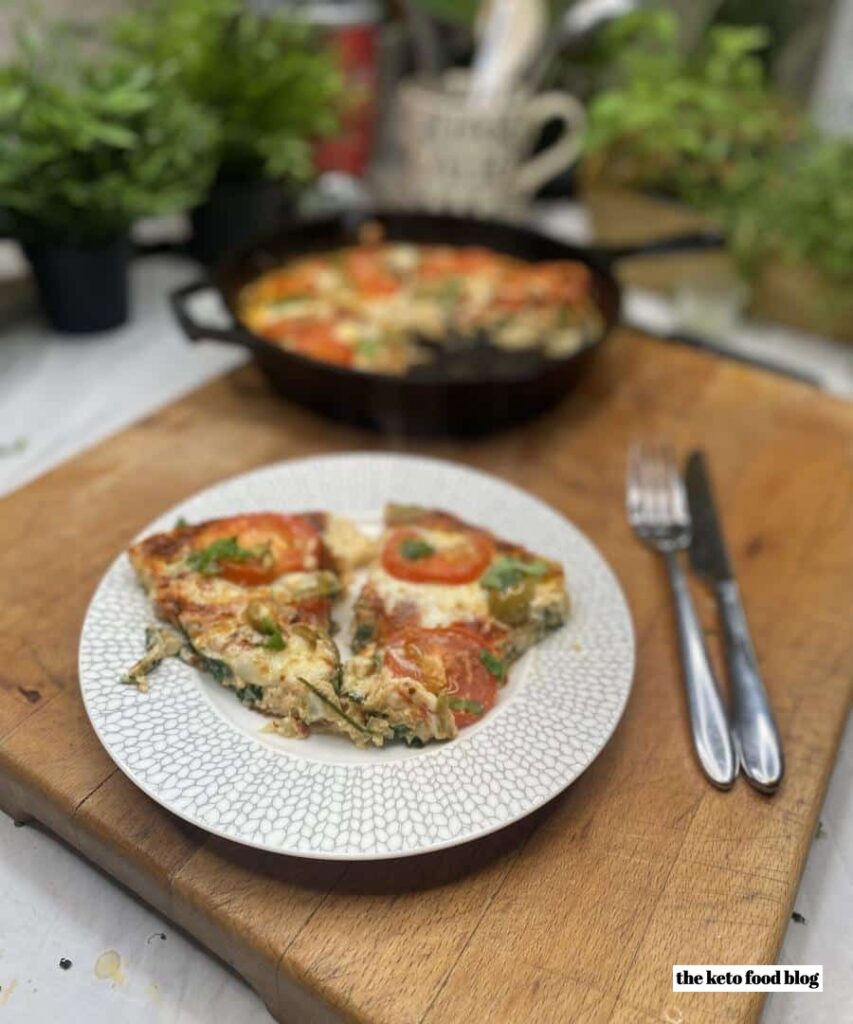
{"x":235,"y":213}
{"x":83,"y":289}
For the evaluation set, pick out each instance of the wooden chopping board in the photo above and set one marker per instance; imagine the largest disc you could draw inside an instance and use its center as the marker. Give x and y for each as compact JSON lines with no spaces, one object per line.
{"x":577,"y":914}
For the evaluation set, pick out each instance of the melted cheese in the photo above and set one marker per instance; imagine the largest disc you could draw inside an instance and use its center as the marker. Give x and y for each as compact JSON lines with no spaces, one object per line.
{"x":438,"y":604}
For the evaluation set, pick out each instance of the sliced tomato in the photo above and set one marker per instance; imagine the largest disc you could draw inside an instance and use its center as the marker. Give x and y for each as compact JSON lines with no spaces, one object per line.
{"x":294,"y":281}
{"x":369,"y":273}
{"x":462,"y":562}
{"x":442,"y":262}
{"x":558,"y":281}
{"x":276,"y":544}
{"x":313,"y":338}
{"x":315,"y":611}
{"x":415,"y":652}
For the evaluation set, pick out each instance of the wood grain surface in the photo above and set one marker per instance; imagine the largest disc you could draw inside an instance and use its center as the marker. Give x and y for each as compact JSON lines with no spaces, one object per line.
{"x":578,"y":913}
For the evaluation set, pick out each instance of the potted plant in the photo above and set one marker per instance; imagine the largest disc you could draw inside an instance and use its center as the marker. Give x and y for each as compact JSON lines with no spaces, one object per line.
{"x":675,"y":136}
{"x":793,"y":237}
{"x":272,"y":90}
{"x":91,"y":140}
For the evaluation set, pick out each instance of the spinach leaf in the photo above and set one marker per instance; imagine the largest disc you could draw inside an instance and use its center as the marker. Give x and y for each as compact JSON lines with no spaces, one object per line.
{"x":363,"y":634}
{"x":250,"y":694}
{"x":403,"y":732}
{"x":218,"y":669}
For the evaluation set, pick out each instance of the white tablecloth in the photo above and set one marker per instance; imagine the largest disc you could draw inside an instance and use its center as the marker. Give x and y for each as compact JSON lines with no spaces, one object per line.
{"x":58,"y":397}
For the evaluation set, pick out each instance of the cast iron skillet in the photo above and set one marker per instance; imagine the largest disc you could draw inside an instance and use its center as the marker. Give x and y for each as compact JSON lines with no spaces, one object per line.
{"x":468,"y":393}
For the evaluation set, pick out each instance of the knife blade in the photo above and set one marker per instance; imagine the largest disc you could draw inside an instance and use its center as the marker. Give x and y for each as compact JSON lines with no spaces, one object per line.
{"x":754,"y":729}
{"x":708,"y":554}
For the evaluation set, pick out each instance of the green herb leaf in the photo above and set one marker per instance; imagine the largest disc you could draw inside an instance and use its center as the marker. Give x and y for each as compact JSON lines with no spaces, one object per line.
{"x":493,"y":664}
{"x":413,"y":548}
{"x":473,"y":707}
{"x":506,"y":571}
{"x":208,"y":560}
{"x":449,"y":292}
{"x":288,"y":300}
{"x":369,"y":348}
{"x":181,"y":523}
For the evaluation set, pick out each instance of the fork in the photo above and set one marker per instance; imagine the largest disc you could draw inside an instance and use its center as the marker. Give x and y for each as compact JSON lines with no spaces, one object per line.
{"x":658,"y":513}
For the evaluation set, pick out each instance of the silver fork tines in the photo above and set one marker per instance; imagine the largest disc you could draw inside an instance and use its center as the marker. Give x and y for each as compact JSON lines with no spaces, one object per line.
{"x":658,"y":513}
{"x":657,"y":503}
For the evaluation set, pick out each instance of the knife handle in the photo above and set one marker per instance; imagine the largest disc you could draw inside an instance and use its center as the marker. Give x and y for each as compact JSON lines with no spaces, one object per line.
{"x":709,"y":722}
{"x":756,"y":736}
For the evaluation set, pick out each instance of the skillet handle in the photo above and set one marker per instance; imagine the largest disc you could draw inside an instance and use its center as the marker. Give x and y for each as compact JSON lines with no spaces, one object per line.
{"x":191,"y":327}
{"x":693,"y":241}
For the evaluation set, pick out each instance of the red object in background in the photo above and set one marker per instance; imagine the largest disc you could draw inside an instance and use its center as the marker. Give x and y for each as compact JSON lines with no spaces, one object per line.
{"x":351,"y":30}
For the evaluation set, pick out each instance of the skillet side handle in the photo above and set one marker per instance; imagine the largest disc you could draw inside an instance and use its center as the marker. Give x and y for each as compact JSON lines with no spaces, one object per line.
{"x":191,"y":327}
{"x":694,"y":241}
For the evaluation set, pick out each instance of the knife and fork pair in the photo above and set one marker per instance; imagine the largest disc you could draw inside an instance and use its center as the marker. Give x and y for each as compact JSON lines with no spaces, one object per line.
{"x":671,"y":518}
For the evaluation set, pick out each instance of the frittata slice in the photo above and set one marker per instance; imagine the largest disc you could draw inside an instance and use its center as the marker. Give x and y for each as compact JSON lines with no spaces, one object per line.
{"x":249,"y":599}
{"x":455,"y":594}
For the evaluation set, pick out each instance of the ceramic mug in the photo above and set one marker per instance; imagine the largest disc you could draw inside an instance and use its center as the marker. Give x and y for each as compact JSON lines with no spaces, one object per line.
{"x":460,"y":155}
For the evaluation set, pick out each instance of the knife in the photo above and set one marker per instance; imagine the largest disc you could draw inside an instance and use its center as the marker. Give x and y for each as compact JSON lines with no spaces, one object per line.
{"x":755,"y":734}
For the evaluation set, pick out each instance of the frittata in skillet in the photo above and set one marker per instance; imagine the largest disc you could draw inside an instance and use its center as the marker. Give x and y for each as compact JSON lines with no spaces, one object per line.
{"x":369,"y":306}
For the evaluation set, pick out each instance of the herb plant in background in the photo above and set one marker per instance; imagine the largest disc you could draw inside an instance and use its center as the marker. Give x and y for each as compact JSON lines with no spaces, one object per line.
{"x":793,"y":236}
{"x":271,"y":87}
{"x":91,"y":140}
{"x":706,"y":129}
{"x":696,"y":127}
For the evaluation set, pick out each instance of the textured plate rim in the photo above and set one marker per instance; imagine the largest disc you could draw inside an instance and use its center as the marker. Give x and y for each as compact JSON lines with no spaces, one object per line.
{"x":415,"y":462}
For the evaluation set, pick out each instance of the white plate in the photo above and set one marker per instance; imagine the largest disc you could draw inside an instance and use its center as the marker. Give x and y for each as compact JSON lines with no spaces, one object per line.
{"x":192,"y":747}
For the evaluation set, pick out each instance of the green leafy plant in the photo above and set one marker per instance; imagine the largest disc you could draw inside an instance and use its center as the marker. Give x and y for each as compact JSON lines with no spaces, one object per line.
{"x":269,"y":84}
{"x":802,"y":211}
{"x":92,"y":139}
{"x":695,"y":127}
